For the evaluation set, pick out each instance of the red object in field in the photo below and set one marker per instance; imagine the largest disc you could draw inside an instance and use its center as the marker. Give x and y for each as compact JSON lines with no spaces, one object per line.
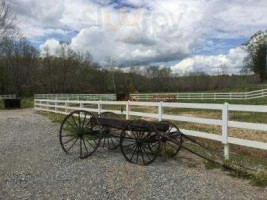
{"x":123,"y":97}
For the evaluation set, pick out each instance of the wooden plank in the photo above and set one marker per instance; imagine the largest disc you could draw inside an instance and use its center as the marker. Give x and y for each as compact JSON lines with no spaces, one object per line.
{"x":205,"y":135}
{"x":247,"y":125}
{"x":248,"y":108}
{"x":193,"y":119}
{"x":194,"y":105}
{"x":120,"y":124}
{"x":248,"y":143}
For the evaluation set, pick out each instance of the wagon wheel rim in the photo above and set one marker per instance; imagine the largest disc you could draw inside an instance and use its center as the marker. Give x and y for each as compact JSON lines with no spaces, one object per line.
{"x":80,"y":134}
{"x":171,"y":139}
{"x":140,"y":146}
{"x":110,"y":139}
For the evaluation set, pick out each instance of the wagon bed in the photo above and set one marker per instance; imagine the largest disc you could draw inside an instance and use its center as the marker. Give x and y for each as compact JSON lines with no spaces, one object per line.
{"x":139,"y":125}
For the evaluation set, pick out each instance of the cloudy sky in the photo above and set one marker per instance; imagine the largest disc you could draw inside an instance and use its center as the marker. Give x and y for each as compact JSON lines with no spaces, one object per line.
{"x":186,"y":35}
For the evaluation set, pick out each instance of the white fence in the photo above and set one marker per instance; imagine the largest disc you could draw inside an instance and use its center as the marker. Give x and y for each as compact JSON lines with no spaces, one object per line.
{"x":159,"y":96}
{"x":64,"y":107}
{"x":201,"y":96}
{"x":87,"y":97}
{"x":8,"y":96}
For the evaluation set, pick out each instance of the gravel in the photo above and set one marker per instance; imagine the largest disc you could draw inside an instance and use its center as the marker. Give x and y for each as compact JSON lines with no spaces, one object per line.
{"x":33,"y":166}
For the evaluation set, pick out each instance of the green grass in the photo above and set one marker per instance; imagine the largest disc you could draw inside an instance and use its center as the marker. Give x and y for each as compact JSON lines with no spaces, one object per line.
{"x":54,"y":117}
{"x":167,"y":152}
{"x":211,"y":165}
{"x":259,"y":179}
{"x":252,"y":167}
{"x":258,"y":101}
{"x":25,"y":103}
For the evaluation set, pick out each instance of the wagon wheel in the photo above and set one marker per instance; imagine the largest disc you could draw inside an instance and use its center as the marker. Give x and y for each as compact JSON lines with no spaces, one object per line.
{"x":171,"y":139}
{"x":140,"y":142}
{"x":80,"y":134}
{"x":111,"y":137}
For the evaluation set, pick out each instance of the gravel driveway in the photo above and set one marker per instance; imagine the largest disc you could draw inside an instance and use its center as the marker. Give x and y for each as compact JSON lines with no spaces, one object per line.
{"x":33,"y":166}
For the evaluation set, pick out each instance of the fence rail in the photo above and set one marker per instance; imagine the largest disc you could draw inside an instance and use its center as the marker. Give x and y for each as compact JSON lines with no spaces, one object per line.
{"x":7,"y":96}
{"x":201,"y":96}
{"x":64,"y":107}
{"x":87,"y":97}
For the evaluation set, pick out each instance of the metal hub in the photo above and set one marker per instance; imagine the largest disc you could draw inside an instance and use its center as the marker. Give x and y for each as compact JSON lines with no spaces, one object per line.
{"x":139,"y":143}
{"x":80,"y":133}
{"x":164,"y":139}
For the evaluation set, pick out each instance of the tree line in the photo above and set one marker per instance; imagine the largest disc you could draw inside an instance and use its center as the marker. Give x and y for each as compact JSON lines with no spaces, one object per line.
{"x":24,"y":71}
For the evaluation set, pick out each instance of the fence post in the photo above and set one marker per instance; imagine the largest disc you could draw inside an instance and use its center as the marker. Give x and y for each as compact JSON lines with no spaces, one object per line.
{"x":225,"y":131}
{"x":66,"y":106}
{"x":99,"y":107}
{"x":127,"y":109}
{"x":160,"y":111}
{"x":56,"y":104}
{"x":81,"y":105}
{"x":34,"y":102}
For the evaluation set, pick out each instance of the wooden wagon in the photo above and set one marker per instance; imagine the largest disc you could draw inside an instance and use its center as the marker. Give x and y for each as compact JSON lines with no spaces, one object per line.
{"x":140,"y":141}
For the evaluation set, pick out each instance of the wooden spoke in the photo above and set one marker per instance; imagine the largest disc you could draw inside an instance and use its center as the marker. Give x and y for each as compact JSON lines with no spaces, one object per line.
{"x":72,"y":116}
{"x":110,"y":140}
{"x":84,"y":118}
{"x":70,"y":140}
{"x":72,"y":144}
{"x":85,"y":147}
{"x":81,"y":148}
{"x":133,"y":152}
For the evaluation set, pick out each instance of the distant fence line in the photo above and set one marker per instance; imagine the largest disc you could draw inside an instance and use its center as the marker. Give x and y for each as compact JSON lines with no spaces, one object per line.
{"x":87,"y":97}
{"x":199,"y":96}
{"x":160,"y":96}
{"x":126,"y":108}
{"x":8,"y":96}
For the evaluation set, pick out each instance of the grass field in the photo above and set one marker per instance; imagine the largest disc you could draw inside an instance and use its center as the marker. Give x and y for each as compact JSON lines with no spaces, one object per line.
{"x":259,"y":101}
{"x":211,"y":114}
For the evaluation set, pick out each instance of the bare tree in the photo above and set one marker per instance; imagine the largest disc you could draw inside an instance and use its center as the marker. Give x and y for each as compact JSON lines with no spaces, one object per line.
{"x":111,"y":66}
{"x":7,"y":19}
{"x":19,"y":58}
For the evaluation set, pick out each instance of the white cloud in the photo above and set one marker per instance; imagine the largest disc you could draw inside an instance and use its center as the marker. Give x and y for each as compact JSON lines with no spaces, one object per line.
{"x":137,"y":37}
{"x":230,"y":63}
{"x":38,"y":18}
{"x":241,"y":18}
{"x":159,"y":31}
{"x":51,"y":46}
